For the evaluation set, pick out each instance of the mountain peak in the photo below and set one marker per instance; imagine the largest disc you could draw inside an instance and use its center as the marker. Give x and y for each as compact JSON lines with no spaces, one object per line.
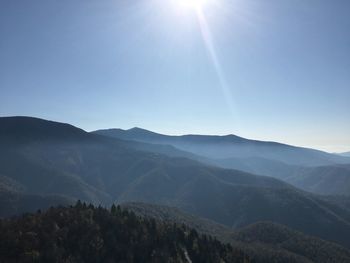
{"x":138,"y":129}
{"x":141,"y":131}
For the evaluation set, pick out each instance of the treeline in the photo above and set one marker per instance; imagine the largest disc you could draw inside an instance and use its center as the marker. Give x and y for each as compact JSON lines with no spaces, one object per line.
{"x":84,"y":233}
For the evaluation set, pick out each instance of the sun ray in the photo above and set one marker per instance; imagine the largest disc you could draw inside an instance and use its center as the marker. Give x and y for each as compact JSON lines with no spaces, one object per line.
{"x":209,"y":44}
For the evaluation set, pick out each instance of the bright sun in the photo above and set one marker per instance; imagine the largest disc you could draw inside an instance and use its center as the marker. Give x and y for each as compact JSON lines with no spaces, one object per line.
{"x":195,"y":4}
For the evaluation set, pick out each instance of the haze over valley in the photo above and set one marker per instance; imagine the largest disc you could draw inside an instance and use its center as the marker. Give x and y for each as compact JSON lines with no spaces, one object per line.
{"x":177,"y":131}
{"x":45,"y":163}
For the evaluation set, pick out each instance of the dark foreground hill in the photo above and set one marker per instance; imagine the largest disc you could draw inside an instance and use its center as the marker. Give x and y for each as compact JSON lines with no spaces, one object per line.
{"x":87,"y":234}
{"x":39,"y":161}
{"x":264,"y":242}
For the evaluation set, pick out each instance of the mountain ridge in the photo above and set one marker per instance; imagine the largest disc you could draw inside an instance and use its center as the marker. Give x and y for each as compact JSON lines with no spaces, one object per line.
{"x":230,"y":146}
{"x":142,"y":131}
{"x":23,"y":128}
{"x":103,"y":170}
{"x":325,"y":175}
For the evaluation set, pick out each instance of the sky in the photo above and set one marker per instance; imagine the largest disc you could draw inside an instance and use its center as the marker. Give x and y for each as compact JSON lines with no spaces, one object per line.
{"x":262,"y":69}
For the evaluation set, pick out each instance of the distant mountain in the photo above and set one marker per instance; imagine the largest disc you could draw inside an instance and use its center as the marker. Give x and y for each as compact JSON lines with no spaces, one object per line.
{"x":103,"y":170}
{"x":87,"y":234}
{"x":326,"y":179}
{"x":346,"y":154}
{"x":258,"y":165}
{"x":339,"y":200}
{"x":230,"y":146}
{"x":263,"y":242}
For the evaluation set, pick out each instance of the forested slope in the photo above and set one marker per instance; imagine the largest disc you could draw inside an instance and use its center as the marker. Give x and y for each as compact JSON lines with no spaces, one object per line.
{"x":88,"y":234}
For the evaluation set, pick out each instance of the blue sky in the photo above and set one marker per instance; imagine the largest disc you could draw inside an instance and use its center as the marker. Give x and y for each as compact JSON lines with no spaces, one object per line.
{"x":280,"y":69}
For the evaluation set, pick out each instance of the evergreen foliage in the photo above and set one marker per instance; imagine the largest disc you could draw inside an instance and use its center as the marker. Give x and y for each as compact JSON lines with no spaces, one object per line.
{"x":84,"y":233}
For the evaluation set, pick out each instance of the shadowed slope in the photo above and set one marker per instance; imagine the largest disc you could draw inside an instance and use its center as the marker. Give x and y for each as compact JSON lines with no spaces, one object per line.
{"x":263,"y":242}
{"x":102,"y":170}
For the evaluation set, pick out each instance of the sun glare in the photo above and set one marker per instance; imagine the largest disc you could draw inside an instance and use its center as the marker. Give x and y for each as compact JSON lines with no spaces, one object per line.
{"x":193,"y":4}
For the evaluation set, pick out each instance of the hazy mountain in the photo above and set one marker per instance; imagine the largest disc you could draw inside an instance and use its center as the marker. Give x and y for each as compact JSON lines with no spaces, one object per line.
{"x":258,"y":165}
{"x":263,"y":242}
{"x":230,"y":146}
{"x":99,"y":169}
{"x":346,"y":154}
{"x":328,"y":180}
{"x":339,"y":200}
{"x":331,"y":179}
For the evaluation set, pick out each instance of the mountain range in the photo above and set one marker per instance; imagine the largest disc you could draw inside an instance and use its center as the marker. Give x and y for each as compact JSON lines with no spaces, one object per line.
{"x":230,"y":146}
{"x":311,"y":170}
{"x":45,"y":159}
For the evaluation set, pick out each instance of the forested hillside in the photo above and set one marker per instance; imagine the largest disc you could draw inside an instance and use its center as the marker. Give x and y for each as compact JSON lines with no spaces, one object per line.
{"x":264,"y":242}
{"x":87,"y":234}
